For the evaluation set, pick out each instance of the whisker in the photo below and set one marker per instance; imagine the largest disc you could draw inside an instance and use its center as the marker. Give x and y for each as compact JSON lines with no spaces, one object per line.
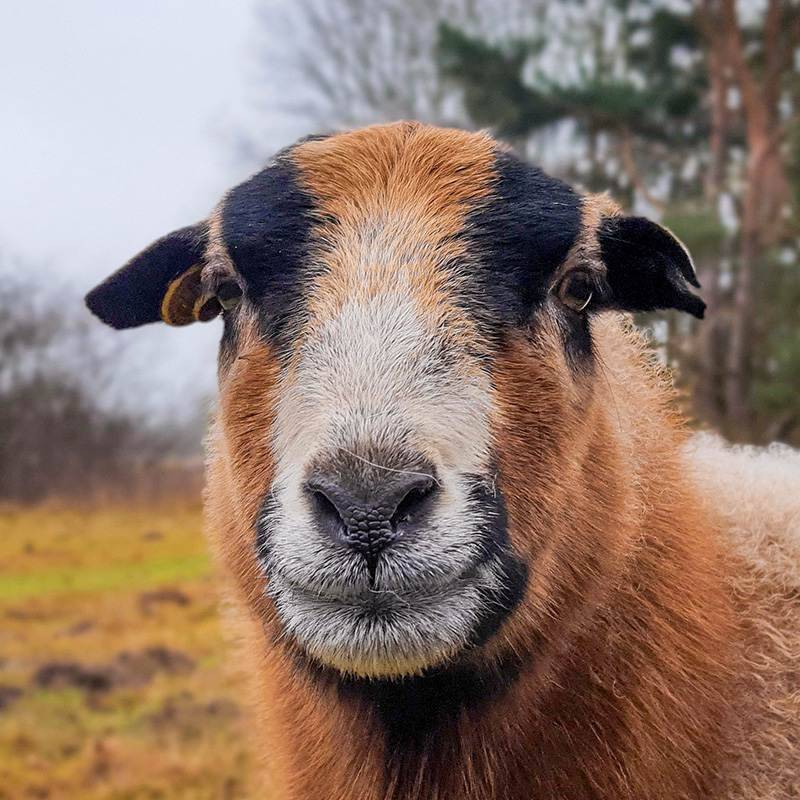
{"x":391,"y":469}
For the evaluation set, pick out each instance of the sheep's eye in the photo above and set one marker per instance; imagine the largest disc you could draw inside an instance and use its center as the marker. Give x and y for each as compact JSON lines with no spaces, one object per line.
{"x":229,"y":294}
{"x":576,"y":291}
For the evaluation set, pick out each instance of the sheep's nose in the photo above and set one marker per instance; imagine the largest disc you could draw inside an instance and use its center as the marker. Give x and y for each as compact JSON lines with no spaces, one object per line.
{"x":368,"y":515}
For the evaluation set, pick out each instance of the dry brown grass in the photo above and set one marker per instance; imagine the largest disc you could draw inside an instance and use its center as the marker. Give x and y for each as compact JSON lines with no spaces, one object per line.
{"x":82,"y":587}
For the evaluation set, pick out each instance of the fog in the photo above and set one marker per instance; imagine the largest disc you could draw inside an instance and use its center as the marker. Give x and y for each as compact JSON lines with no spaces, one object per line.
{"x":120,"y":122}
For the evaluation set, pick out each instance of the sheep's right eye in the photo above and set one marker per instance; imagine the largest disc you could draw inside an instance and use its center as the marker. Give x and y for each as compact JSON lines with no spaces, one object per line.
{"x":229,"y":294}
{"x":576,"y":291}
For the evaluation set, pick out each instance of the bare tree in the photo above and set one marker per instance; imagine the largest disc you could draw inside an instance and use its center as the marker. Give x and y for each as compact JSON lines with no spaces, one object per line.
{"x":62,"y":432}
{"x":355,"y":62}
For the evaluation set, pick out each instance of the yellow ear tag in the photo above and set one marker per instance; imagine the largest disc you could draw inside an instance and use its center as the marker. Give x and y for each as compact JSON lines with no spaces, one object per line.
{"x":179,"y":305}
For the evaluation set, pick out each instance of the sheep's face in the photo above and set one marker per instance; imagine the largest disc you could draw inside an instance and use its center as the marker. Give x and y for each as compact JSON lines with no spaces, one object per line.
{"x":407,"y":332}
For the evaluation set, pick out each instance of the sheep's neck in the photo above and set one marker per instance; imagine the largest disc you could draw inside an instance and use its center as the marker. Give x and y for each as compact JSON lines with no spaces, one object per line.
{"x":605,"y":719}
{"x":415,"y":739}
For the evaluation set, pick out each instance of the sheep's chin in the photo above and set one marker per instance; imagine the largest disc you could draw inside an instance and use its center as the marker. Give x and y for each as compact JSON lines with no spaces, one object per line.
{"x":374,"y":670}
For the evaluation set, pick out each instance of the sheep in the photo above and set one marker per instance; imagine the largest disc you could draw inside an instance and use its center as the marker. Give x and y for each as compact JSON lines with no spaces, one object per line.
{"x":473,"y":550}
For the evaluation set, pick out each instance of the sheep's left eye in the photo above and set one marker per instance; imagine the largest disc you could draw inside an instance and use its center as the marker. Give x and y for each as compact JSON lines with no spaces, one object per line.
{"x":576,"y":291}
{"x":229,"y":294}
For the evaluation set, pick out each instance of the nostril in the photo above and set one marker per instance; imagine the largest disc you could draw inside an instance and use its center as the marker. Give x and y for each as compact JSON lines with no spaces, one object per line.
{"x":368,"y":516}
{"x":415,"y":501}
{"x":325,"y":505}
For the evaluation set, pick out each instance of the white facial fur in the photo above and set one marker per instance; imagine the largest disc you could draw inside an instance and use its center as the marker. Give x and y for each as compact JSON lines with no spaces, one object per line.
{"x":381,"y":376}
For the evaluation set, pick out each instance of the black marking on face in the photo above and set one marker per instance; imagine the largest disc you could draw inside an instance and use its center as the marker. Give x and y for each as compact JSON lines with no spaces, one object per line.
{"x":418,"y":715}
{"x":489,"y":503}
{"x":414,"y":712}
{"x":266,"y":226}
{"x":520,"y":235}
{"x":576,"y":335}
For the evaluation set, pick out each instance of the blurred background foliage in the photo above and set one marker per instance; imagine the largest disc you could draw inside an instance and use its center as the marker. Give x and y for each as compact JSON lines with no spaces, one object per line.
{"x":67,"y":428}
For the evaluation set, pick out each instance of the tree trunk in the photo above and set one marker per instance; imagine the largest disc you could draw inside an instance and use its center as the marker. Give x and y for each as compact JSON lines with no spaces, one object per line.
{"x":765,"y":192}
{"x":709,"y":361}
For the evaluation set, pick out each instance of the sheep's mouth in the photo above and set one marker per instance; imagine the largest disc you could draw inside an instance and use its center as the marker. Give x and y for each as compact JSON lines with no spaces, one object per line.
{"x":381,"y":633}
{"x":378,"y":596}
{"x":386,"y":633}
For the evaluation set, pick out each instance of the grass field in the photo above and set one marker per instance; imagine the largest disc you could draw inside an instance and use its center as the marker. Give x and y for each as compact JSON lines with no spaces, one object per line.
{"x":114,"y":681}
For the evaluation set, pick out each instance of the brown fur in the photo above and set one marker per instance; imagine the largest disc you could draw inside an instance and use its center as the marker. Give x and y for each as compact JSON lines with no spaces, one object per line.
{"x":632,"y":644}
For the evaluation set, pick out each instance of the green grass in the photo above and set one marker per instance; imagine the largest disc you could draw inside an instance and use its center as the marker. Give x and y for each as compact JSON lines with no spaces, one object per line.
{"x":114,"y":577}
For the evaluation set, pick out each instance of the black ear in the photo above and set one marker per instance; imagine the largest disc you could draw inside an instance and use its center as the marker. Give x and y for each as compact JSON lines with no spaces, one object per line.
{"x":647,"y":267}
{"x":163,"y":282}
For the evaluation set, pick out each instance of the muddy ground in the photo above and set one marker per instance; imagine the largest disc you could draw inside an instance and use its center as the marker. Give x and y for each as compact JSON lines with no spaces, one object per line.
{"x":114,"y":675}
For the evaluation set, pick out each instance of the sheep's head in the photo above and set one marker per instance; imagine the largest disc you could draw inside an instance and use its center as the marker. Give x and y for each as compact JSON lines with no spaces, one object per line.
{"x":408,"y":344}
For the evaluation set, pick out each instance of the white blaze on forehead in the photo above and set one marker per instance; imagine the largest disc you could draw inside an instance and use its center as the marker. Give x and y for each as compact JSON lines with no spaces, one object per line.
{"x":381,"y":374}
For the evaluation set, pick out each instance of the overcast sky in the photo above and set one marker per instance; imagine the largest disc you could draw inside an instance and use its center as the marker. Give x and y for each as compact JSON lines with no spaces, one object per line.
{"x":117,"y":125}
